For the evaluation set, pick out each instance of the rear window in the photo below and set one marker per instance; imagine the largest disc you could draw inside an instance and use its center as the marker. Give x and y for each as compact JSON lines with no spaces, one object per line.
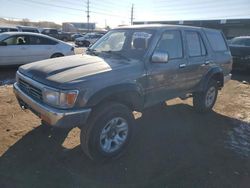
{"x":195,"y":44}
{"x":30,"y":30}
{"x":216,"y":40}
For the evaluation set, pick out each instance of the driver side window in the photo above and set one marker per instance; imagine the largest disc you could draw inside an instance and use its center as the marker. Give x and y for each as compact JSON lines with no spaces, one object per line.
{"x":171,"y":43}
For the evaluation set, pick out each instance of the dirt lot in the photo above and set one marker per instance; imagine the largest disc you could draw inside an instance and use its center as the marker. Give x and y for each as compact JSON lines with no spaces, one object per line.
{"x":173,"y":147}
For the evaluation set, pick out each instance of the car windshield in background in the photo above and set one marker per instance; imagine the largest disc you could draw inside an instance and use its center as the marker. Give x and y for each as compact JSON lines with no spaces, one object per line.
{"x":132,"y":44}
{"x":240,"y":41}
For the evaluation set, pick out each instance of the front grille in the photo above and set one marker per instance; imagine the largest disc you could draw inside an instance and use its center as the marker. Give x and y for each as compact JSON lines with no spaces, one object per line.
{"x":30,"y":90}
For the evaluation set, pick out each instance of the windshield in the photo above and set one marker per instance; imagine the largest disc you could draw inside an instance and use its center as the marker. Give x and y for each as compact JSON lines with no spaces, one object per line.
{"x":241,"y":41}
{"x":132,"y":44}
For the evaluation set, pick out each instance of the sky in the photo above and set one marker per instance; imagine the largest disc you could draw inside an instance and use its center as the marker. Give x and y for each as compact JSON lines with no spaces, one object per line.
{"x":113,"y":13}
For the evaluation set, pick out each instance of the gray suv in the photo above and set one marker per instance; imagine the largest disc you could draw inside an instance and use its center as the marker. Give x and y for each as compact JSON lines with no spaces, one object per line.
{"x":128,"y":69}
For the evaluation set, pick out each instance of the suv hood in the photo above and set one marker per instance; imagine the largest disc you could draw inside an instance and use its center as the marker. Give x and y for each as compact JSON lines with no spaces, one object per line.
{"x":70,"y":69}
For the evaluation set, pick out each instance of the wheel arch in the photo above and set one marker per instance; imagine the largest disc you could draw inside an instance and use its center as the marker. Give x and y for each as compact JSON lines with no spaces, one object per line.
{"x":57,"y":53}
{"x":129,"y":94}
{"x":216,"y":74}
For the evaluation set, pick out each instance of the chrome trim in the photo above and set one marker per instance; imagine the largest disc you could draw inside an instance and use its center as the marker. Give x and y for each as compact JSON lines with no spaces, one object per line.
{"x":56,"y":117}
{"x":41,"y":86}
{"x":30,"y":81}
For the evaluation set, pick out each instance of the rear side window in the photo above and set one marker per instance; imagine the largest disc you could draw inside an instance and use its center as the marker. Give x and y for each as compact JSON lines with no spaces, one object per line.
{"x":30,"y":30}
{"x":195,"y":44}
{"x":171,"y":42}
{"x":216,"y":40}
{"x":13,"y":29}
{"x":36,"y":40}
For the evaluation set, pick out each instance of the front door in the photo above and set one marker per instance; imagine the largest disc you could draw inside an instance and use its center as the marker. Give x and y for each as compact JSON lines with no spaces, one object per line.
{"x":164,"y":79}
{"x":16,"y":51}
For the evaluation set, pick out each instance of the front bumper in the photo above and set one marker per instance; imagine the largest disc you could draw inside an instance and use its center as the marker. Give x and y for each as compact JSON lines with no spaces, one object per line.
{"x":52,"y":116}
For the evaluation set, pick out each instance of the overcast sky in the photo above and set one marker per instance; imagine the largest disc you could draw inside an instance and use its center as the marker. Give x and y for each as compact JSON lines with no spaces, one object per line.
{"x":114,"y":13}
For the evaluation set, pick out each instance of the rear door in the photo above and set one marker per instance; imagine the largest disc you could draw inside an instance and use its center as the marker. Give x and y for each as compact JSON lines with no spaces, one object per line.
{"x":41,"y":48}
{"x":198,"y":58}
{"x":221,"y":54}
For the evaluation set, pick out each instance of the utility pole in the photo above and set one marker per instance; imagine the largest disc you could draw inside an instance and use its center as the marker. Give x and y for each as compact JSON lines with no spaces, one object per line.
{"x":132,"y":14}
{"x":88,"y":15}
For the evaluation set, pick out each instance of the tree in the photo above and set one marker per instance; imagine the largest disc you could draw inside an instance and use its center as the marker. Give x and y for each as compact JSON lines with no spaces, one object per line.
{"x":25,"y":22}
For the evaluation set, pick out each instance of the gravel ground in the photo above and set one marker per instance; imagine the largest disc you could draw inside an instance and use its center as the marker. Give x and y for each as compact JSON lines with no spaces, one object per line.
{"x":173,"y":146}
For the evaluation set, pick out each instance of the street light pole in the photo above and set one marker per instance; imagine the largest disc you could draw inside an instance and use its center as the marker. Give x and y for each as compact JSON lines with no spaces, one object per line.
{"x":88,"y":15}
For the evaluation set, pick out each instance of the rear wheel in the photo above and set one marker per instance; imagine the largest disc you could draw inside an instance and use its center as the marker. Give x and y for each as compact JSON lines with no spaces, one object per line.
{"x":204,"y":101}
{"x":56,"y":55}
{"x":108,"y":131}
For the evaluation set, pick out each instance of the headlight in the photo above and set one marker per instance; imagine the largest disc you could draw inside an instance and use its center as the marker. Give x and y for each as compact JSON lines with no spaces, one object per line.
{"x":63,"y":99}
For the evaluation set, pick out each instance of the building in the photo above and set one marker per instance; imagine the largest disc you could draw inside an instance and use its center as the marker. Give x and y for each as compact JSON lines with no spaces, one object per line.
{"x":78,"y":27}
{"x":230,"y":27}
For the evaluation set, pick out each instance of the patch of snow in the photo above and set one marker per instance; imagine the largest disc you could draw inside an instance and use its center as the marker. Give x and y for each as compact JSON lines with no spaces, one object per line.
{"x":239,"y":139}
{"x":7,"y":81}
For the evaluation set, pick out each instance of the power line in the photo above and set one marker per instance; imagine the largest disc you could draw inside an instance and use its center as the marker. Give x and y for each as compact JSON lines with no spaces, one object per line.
{"x":215,"y":9}
{"x":27,"y":4}
{"x":69,"y":8}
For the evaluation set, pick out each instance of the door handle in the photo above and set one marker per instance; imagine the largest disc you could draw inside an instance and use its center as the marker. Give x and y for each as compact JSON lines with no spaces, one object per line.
{"x":182,"y":65}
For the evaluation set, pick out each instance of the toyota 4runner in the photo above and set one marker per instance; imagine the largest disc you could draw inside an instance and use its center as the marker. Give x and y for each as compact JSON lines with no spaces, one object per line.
{"x":128,"y":69}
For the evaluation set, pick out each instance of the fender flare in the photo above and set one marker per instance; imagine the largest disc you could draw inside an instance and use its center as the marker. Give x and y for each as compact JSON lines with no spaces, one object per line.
{"x":130,"y":94}
{"x":211,"y":73}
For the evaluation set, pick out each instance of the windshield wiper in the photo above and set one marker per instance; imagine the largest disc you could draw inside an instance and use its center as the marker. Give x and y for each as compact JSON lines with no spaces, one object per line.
{"x":117,"y":54}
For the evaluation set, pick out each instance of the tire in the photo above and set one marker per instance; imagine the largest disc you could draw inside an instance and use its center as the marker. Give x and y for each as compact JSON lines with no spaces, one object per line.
{"x":204,"y":101}
{"x":107,"y":132}
{"x":57,"y":55}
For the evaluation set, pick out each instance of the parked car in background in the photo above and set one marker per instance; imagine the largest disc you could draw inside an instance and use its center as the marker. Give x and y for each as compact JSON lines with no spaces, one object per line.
{"x":23,"y":47}
{"x":75,"y":36}
{"x":129,"y":69}
{"x":27,"y":29}
{"x":88,"y":39}
{"x":56,"y":34}
{"x":240,"y":50}
{"x":8,"y":29}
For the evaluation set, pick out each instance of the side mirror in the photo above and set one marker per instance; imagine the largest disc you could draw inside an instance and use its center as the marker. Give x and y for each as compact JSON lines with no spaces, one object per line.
{"x":3,"y":44}
{"x":160,"y":57}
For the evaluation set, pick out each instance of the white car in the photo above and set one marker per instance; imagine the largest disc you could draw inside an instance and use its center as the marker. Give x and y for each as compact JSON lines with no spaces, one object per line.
{"x":23,"y":47}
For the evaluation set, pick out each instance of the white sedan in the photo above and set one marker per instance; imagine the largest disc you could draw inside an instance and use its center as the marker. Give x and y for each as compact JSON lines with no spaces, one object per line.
{"x":20,"y":48}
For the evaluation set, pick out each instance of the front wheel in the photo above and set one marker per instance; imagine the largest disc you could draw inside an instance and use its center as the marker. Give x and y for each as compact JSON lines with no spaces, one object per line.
{"x":108,"y":132}
{"x":204,"y":101}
